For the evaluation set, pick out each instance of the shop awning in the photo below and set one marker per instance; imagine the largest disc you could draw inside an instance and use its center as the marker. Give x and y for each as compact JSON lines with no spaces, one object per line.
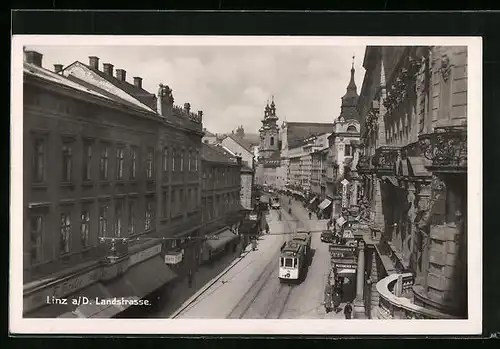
{"x":324,"y":204}
{"x":224,"y":238}
{"x":66,"y":310}
{"x":148,"y":276}
{"x":391,"y":179}
{"x":312,"y":200}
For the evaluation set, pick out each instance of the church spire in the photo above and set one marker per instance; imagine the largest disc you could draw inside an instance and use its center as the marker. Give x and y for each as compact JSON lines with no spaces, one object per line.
{"x":352,"y":84}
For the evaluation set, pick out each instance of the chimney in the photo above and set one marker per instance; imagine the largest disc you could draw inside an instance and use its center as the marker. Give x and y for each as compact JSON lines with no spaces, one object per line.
{"x":121,"y":74}
{"x":33,"y":57}
{"x":94,"y":62}
{"x":108,"y":68}
{"x":58,"y":68}
{"x":138,"y":82}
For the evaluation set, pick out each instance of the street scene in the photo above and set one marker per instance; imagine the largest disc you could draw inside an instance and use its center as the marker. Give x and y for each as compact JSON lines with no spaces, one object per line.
{"x":245,"y":182}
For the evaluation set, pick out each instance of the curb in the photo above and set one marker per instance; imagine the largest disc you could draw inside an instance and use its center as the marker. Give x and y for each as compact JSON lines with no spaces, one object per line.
{"x":210,"y":284}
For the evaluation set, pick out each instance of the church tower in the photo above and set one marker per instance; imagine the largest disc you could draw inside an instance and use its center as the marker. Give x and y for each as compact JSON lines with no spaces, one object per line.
{"x":349,"y":110}
{"x":269,"y":132}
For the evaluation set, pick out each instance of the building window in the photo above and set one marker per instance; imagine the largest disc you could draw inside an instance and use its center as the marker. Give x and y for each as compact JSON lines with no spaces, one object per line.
{"x":190,"y":199}
{"x":104,"y":162}
{"x":149,"y":163}
{"x":196,"y":162}
{"x":189,"y":161}
{"x":165,"y":163}
{"x":351,"y":129}
{"x":165,"y":204}
{"x":206,"y":141}
{"x":118,"y":219}
{"x":347,"y":150}
{"x":181,"y":167}
{"x":181,"y":201}
{"x":65,"y":232}
{"x":103,"y":221}
{"x":272,"y":141}
{"x":36,"y":222}
{"x":39,"y":160}
{"x":67,"y":162}
{"x":131,"y":218}
{"x":148,"y":221}
{"x":119,"y":163}
{"x":133,"y":163}
{"x":85,"y":227}
{"x":173,"y":160}
{"x":87,"y":161}
{"x":173,"y":203}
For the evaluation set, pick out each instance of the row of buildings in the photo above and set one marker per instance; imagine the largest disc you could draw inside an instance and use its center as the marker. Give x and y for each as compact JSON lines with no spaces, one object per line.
{"x":393,"y":165}
{"x":311,"y":159}
{"x":120,"y":192}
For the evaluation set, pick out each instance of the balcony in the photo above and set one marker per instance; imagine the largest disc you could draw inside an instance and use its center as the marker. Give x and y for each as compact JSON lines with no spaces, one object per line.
{"x":446,"y":148}
{"x":396,"y":300}
{"x":385,"y":159}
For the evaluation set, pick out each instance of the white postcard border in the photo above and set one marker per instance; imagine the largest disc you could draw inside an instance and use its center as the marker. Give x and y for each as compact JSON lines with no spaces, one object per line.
{"x":473,"y":325}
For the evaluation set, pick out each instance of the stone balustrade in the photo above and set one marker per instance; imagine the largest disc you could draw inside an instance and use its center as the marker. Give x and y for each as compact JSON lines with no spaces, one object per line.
{"x":400,"y":305}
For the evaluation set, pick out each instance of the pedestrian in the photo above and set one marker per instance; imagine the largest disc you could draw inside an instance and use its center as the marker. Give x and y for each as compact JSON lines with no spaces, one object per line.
{"x":348,"y":310}
{"x":336,"y":300}
{"x":267,"y":228}
{"x":279,"y":215}
{"x":310,"y":215}
{"x":190,"y":278}
{"x":328,"y":225}
{"x":254,"y":244}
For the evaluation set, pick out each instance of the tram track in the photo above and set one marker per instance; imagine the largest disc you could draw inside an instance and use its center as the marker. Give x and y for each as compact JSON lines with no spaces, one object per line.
{"x":279,"y":301}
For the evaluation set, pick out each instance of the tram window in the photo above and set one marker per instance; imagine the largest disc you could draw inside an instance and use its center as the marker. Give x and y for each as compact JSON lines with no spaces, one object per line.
{"x":281,"y":261}
{"x":295,"y":262}
{"x":288,"y":262}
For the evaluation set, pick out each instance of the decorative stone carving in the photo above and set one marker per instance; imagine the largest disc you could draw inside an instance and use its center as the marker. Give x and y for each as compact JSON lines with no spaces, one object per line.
{"x":445,"y":67}
{"x":446,"y":147}
{"x":385,"y":158}
{"x":166,"y":91}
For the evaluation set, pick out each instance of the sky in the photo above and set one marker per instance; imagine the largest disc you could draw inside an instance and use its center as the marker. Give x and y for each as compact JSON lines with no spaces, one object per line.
{"x":232,"y":84}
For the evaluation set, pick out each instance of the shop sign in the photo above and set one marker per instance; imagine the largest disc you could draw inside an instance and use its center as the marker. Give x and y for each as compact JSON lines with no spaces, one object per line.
{"x":342,"y":251}
{"x":174,"y":258}
{"x":144,"y":254}
{"x":60,"y":290}
{"x":340,"y":266}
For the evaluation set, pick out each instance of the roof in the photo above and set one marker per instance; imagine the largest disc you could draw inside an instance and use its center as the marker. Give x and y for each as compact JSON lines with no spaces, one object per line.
{"x":217,"y":154}
{"x":246,"y":168}
{"x":242,"y":142}
{"x":42,"y":73}
{"x":298,"y":131}
{"x":208,"y":133}
{"x":138,"y":93}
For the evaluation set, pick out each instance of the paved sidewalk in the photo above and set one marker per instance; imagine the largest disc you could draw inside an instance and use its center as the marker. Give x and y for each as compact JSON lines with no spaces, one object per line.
{"x":180,"y":292}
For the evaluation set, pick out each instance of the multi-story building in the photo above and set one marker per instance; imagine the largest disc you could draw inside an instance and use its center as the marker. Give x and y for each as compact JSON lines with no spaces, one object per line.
{"x":414,"y":167}
{"x":124,"y":177}
{"x":318,"y":176}
{"x":342,"y":147}
{"x":269,"y":149}
{"x":220,"y":200}
{"x":292,"y":139}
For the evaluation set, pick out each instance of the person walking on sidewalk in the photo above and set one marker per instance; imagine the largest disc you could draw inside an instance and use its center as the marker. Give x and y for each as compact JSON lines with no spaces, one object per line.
{"x":348,"y":310}
{"x":310,"y":215}
{"x":267,"y":228}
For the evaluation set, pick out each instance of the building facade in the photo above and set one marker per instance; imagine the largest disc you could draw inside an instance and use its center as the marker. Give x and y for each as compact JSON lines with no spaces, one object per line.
{"x":100,"y":217}
{"x":414,"y":190}
{"x":239,"y":147}
{"x":220,"y":200}
{"x":342,"y":147}
{"x":269,"y":148}
{"x":209,"y":137}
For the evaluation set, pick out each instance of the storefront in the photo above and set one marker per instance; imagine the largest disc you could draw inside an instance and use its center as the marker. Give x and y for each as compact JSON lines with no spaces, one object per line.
{"x":227,"y":241}
{"x":92,"y":295}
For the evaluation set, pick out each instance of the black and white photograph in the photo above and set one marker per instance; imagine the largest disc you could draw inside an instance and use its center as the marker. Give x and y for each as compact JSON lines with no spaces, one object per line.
{"x":277,"y":185}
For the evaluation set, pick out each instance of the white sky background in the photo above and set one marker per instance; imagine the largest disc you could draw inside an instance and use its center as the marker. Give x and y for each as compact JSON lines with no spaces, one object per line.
{"x":231,"y":84}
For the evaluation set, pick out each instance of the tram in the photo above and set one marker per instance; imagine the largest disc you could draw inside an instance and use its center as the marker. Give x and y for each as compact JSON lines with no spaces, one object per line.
{"x":294,"y":257}
{"x":274,"y":202}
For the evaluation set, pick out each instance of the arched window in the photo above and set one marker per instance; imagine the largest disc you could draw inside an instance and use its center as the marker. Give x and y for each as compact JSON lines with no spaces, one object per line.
{"x":351,"y":128}
{"x":272,"y":140}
